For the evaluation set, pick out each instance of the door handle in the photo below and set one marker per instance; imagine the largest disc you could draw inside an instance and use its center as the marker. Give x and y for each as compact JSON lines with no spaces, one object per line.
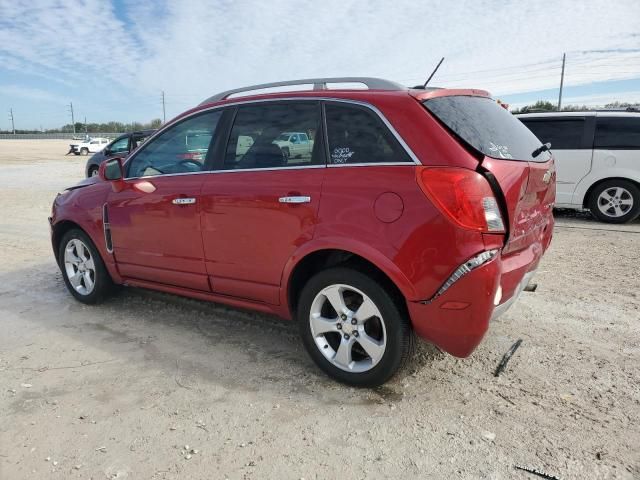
{"x":183,"y":201}
{"x":295,"y":199}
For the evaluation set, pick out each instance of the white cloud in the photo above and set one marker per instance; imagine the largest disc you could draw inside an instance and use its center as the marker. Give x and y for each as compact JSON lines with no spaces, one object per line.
{"x":193,"y":49}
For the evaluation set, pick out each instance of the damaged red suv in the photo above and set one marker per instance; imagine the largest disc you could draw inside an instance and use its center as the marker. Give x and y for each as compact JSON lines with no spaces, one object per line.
{"x":367,"y":216}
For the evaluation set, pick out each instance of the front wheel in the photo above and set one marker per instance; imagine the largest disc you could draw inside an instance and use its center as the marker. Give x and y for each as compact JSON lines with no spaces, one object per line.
{"x":615,"y":201}
{"x":352,"y":328}
{"x":83,"y":270}
{"x":84,"y":151}
{"x":93,"y":171}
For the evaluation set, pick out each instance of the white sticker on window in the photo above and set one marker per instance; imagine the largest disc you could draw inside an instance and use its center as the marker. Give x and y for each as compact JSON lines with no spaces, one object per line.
{"x":341,"y":155}
{"x":500,"y":150}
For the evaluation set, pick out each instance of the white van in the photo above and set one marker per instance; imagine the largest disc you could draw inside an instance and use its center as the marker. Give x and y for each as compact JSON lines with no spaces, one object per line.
{"x":597,"y":160}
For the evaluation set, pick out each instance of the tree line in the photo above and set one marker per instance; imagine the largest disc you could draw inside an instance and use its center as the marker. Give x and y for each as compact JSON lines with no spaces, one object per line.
{"x":107,"y":127}
{"x":544,"y":106}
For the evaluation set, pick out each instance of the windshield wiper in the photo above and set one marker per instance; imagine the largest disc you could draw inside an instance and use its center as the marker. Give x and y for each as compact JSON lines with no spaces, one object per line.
{"x":542,"y":148}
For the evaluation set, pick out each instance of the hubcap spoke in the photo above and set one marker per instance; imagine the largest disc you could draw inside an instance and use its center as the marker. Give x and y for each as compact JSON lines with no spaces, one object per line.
{"x":366,"y":310}
{"x":75,"y":279}
{"x":627,"y":201}
{"x":618,"y":211}
{"x":88,"y":282}
{"x":336,"y":299}
{"x":343,"y":355}
{"x":89,"y":264}
{"x":321,"y":325}
{"x":373,"y":347}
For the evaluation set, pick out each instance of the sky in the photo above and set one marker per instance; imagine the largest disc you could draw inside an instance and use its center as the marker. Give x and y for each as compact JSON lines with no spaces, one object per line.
{"x":113,"y":59}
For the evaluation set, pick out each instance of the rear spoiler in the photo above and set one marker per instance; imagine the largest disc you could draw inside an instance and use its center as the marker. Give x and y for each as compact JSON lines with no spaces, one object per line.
{"x":422,"y":95}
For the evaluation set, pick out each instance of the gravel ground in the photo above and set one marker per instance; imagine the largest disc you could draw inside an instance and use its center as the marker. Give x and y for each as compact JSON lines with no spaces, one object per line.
{"x":153,"y":386}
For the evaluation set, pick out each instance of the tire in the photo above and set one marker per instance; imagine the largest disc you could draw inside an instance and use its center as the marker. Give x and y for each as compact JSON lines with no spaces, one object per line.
{"x":84,"y":151}
{"x":93,"y":171}
{"x":340,"y":350}
{"x":286,"y":153}
{"x":89,"y":266}
{"x":615,"y":201}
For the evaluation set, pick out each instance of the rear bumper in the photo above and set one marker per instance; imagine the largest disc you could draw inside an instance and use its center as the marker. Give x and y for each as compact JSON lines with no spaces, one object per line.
{"x":457,"y":320}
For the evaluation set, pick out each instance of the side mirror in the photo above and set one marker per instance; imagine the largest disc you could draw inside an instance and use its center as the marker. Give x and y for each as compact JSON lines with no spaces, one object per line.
{"x":111,"y":170}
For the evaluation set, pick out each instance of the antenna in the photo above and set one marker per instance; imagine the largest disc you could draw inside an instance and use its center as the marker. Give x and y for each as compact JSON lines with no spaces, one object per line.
{"x":433,"y":73}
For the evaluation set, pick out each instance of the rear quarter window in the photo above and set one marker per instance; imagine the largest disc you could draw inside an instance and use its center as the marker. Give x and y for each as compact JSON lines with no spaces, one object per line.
{"x":486,"y":127}
{"x":563,"y":134}
{"x":617,"y":133}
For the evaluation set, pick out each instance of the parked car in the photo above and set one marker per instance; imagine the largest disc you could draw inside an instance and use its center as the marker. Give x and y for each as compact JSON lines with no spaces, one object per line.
{"x":597,"y":159}
{"x":88,"y":145}
{"x":121,"y":146}
{"x":419,"y":212}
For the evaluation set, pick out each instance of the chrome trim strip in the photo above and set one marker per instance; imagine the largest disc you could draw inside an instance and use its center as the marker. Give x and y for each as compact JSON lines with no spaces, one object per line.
{"x":286,"y":99}
{"x":106,"y":229}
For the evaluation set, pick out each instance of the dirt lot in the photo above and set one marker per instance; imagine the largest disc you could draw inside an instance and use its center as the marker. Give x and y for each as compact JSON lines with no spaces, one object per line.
{"x":119,"y":390}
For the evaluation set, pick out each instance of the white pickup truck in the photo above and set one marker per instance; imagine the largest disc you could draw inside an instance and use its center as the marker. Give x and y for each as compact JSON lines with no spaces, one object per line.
{"x":295,"y":144}
{"x":91,"y":145}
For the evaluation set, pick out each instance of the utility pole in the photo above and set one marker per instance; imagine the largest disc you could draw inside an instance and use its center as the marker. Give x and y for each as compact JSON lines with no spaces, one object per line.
{"x":164,"y":114}
{"x":564,"y":55}
{"x":85,"y":125}
{"x":13,"y":127}
{"x":73,"y":121}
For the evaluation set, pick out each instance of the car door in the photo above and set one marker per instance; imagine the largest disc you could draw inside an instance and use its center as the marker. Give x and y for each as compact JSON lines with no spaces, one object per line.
{"x":155,"y":219}
{"x":571,"y":141}
{"x":259,"y":206}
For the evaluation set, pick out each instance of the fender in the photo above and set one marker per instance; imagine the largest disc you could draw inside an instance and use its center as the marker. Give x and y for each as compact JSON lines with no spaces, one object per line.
{"x":89,"y":219}
{"x":352,"y":246}
{"x":595,"y":176}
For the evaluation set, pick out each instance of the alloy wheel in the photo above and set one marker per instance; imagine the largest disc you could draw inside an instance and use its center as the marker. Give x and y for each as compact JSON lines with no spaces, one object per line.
{"x":615,"y":202}
{"x":79,"y":266}
{"x":348,"y":328}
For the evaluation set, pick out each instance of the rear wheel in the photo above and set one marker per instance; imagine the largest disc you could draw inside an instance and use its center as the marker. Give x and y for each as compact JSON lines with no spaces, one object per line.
{"x":352,"y":328}
{"x":615,"y":201}
{"x":83,"y":270}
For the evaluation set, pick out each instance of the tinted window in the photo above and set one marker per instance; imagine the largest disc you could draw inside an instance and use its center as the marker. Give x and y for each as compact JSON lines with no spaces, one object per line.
{"x":263,"y":136}
{"x":139,"y":140}
{"x":486,"y":127}
{"x":120,"y":146}
{"x":357,"y":135}
{"x":618,"y":133}
{"x":563,"y":134}
{"x":181,"y":148}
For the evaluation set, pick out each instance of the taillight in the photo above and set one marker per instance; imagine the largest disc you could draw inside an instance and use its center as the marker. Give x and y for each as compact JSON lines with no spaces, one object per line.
{"x":463,"y":195}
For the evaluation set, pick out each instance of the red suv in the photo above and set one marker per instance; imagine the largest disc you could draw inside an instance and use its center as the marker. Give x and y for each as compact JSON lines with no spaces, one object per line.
{"x":407,"y":212}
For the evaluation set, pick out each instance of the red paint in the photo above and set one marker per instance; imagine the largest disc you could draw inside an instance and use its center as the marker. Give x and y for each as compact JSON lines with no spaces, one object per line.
{"x":238,"y":244}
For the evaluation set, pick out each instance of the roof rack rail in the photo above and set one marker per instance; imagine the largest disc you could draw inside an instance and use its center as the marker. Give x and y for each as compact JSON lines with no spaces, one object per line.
{"x":318,"y":84}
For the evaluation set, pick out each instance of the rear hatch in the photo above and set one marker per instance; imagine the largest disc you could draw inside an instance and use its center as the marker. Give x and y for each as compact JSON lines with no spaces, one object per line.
{"x":505,"y":150}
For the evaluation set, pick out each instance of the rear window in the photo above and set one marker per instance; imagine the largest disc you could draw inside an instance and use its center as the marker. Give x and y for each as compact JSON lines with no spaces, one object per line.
{"x":563,"y":134}
{"x":487,"y":127}
{"x":618,"y":133}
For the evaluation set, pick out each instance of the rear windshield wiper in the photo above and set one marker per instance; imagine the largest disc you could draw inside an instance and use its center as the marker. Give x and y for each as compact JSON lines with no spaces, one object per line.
{"x":542,"y":148}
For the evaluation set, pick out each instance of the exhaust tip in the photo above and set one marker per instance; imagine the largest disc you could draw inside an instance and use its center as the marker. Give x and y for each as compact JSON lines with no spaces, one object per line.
{"x":531,"y":287}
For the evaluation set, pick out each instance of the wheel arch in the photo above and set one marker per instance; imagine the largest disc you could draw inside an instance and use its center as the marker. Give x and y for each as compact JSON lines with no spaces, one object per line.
{"x":297,"y":273}
{"x":59,"y":230}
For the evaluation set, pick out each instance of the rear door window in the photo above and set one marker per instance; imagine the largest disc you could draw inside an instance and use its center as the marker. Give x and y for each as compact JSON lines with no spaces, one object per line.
{"x":358,"y":135}
{"x":263,"y":135}
{"x":618,"y":133}
{"x":486,"y":127}
{"x":562,"y":133}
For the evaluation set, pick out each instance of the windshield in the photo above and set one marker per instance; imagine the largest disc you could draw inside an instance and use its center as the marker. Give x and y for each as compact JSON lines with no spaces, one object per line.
{"x":283,"y":136}
{"x":487,"y":127}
